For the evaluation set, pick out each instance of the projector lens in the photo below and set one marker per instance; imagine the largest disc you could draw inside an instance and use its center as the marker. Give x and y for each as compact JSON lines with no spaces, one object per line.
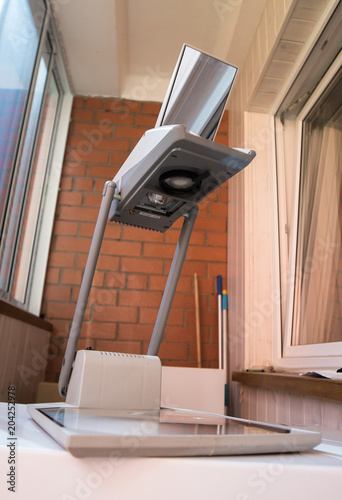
{"x":158,"y":200}
{"x":181,"y":183}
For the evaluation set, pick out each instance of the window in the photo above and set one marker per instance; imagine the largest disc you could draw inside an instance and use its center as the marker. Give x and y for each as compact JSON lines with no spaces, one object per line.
{"x":311,"y":261}
{"x":32,"y":89}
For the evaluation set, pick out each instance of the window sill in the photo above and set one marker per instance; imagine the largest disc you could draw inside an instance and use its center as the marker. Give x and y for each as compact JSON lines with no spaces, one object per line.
{"x":310,"y":386}
{"x":12,"y":311}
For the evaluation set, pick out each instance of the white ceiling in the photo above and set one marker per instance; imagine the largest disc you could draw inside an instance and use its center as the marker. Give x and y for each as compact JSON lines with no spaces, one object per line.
{"x":128,"y":48}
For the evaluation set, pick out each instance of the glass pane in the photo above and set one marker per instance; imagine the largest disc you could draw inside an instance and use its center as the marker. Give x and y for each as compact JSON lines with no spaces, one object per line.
{"x":35,"y":192}
{"x":318,"y":292}
{"x":20,"y":30}
{"x":23,"y":176}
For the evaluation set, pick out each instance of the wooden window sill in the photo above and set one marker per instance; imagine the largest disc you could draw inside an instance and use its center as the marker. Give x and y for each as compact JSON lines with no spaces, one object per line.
{"x":12,"y":311}
{"x":309,"y":386}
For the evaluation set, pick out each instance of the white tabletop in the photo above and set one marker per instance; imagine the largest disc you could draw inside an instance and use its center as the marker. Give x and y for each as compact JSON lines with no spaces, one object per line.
{"x":46,"y":471}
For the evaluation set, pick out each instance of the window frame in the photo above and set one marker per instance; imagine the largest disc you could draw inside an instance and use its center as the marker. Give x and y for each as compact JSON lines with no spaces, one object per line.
{"x":324,"y":354}
{"x":286,"y":189}
{"x":44,"y":223}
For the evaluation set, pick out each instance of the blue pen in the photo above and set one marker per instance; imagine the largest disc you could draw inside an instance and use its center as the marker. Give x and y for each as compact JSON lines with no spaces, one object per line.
{"x":219,"y":309}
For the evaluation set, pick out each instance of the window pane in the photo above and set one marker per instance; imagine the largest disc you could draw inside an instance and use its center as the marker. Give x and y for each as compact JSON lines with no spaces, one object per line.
{"x":20,"y":30}
{"x":318,"y":292}
{"x":21,"y":187}
{"x":35,"y":193}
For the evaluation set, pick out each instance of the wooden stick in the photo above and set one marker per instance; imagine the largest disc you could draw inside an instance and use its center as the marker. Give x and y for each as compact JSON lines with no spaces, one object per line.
{"x":198,"y":326}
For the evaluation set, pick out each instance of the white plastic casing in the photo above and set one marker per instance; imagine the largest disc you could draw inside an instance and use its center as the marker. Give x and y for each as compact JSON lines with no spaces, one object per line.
{"x":115,"y":381}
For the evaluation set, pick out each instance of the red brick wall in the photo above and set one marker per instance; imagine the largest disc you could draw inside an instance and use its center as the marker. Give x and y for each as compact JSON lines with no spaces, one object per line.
{"x":133,"y":264}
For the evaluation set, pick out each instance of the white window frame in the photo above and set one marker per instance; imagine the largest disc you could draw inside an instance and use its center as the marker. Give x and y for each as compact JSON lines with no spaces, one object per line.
{"x":39,"y":257}
{"x":318,"y":355}
{"x":286,"y":356}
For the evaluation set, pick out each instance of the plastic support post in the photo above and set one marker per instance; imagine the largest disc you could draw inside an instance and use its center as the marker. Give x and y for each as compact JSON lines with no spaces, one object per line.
{"x":108,"y":196}
{"x":172,"y":281}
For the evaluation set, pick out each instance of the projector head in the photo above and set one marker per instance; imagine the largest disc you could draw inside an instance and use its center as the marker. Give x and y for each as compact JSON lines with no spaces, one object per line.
{"x":169,"y":171}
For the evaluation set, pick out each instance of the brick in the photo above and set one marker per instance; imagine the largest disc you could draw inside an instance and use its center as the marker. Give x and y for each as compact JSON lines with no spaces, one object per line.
{"x":137,"y":281}
{"x":179,"y":334}
{"x":117,"y":159}
{"x":116,"y":280}
{"x":65,"y":228}
{"x":70,"y":198}
{"x":83,"y":185}
{"x":137,"y":234}
{"x":211,"y":224}
{"x":60,"y":310}
{"x":94,"y":131}
{"x":104,"y":262}
{"x":156,"y":250}
{"x":148,"y":315}
{"x":57,"y":293}
{"x":113,"y":232}
{"x":172,"y":351}
{"x":115,"y":118}
{"x":52,"y":276}
{"x":139,"y":298}
{"x":134,"y":332}
{"x":218,"y":210}
{"x":157,"y":282}
{"x":99,"y":331}
{"x":92,"y":200}
{"x":129,"y":132}
{"x":150,"y":266}
{"x":146,"y":121}
{"x":105,"y":171}
{"x":117,"y":314}
{"x":74,"y":169}
{"x":94,"y":103}
{"x":61,"y":259}
{"x":78,"y":102}
{"x":221,"y":139}
{"x":82,"y":115}
{"x":80,"y":143}
{"x":151,"y":108}
{"x":217,"y":240}
{"x":113,"y":145}
{"x":71,"y":277}
{"x":214,"y":269}
{"x":183,"y":300}
{"x":88,"y":156}
{"x":64,"y":243}
{"x":207,"y":254}
{"x":66,"y":183}
{"x":77,"y":214}
{"x":125,"y":248}
{"x":190,"y":268}
{"x":100,"y":297}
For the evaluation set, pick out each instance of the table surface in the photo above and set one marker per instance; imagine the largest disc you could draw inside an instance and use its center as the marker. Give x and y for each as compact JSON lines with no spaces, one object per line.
{"x":46,"y":471}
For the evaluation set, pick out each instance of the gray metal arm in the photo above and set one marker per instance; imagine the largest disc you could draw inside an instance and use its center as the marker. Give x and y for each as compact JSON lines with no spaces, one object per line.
{"x":172,"y":281}
{"x":108,"y":196}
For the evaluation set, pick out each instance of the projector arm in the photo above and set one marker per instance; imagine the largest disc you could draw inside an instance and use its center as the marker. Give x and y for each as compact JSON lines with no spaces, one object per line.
{"x":108,"y":196}
{"x":172,"y":281}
